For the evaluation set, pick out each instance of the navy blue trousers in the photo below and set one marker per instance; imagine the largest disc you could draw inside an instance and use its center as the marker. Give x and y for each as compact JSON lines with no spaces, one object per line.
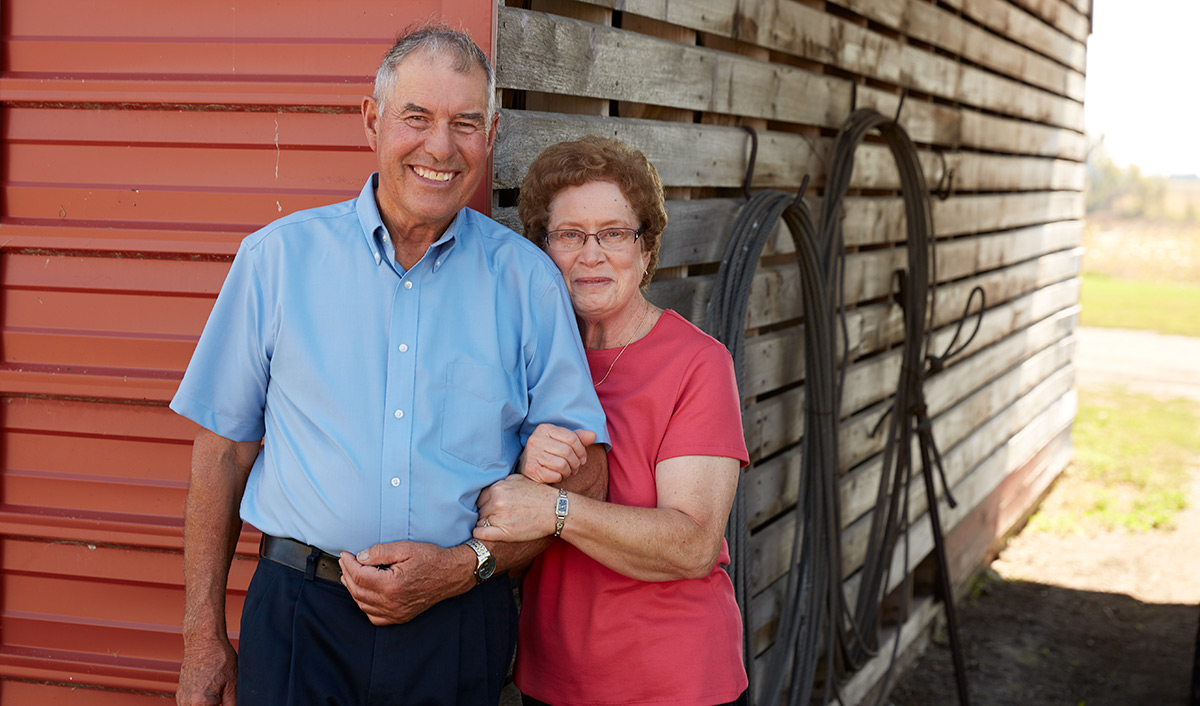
{"x":307,"y":642}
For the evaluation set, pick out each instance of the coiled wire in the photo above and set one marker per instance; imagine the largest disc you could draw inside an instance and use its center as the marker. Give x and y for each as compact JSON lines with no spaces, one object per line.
{"x":815,"y":619}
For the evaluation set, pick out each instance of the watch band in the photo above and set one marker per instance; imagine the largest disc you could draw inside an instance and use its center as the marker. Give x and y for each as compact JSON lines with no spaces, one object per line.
{"x":485,"y":563}
{"x":561,"y":505}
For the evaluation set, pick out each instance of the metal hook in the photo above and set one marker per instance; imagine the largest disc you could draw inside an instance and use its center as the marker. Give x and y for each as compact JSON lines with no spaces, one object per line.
{"x":945,"y":180}
{"x":753,"y":157}
{"x":903,"y":95}
{"x":800,"y":194}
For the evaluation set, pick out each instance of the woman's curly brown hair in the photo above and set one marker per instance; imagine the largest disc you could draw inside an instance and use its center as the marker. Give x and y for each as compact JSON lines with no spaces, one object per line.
{"x":593,"y":158}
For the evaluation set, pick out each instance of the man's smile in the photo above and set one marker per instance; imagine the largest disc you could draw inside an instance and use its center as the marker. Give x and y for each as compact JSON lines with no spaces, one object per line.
{"x":433,"y":174}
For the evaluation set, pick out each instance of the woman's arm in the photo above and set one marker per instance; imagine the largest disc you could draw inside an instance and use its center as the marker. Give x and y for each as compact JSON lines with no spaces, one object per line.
{"x":678,"y":539}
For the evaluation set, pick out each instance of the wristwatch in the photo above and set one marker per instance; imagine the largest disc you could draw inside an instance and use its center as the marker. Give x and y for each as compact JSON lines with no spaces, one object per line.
{"x":561,"y":505}
{"x":485,"y":563}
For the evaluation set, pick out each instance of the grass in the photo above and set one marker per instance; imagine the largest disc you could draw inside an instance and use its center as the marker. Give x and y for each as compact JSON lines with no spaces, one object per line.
{"x":1133,"y":455}
{"x":1166,"y":307}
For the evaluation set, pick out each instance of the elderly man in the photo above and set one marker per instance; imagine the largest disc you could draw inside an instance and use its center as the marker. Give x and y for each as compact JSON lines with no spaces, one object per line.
{"x":367,"y":369}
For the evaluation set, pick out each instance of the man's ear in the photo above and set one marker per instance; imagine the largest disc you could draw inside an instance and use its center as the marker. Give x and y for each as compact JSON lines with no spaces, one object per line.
{"x":492,"y":132}
{"x":370,"y":117}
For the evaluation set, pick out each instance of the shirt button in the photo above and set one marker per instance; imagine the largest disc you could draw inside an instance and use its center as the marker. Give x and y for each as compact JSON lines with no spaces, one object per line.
{"x":395,"y":482}
{"x":398,"y":413}
{"x":437,"y":263}
{"x":376,"y":258}
{"x":403,"y":347}
{"x":407,"y":284}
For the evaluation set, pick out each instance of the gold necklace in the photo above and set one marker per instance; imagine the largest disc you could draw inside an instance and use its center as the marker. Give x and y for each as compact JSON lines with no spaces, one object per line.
{"x":641,"y":321}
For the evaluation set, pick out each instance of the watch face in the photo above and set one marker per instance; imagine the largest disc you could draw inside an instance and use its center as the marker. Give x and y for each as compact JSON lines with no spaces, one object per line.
{"x":486,"y":569}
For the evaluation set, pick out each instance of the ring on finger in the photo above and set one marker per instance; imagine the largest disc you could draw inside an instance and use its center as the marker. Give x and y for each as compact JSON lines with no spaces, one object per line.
{"x":487,"y":522}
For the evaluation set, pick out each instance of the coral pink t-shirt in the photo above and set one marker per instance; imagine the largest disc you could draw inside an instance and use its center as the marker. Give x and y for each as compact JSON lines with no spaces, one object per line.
{"x":589,"y":635}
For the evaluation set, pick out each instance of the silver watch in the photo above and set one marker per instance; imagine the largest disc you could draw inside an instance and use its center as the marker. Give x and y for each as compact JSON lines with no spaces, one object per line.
{"x":485,"y":563}
{"x":561,"y":505}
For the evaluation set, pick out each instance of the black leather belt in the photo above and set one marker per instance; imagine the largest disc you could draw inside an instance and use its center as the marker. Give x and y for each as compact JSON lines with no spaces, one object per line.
{"x":302,"y":557}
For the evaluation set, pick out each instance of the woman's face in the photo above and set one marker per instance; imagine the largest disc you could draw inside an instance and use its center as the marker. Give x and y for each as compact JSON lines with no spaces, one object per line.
{"x":602,"y":283}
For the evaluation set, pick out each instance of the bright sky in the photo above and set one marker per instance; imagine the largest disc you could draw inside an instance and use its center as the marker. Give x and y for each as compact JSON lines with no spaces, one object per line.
{"x":1143,"y":83}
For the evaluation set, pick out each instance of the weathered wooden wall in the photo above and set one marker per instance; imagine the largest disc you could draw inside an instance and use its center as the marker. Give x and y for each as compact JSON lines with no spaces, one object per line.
{"x":994,"y":93}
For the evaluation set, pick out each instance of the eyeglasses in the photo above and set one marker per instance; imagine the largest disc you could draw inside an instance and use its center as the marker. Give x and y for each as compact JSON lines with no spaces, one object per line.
{"x":609,"y":238}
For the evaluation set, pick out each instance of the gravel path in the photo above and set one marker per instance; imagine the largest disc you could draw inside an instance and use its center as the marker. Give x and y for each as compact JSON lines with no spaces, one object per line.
{"x":1142,"y":361}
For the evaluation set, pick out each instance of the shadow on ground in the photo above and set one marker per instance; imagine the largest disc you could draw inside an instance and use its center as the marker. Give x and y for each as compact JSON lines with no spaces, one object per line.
{"x":1028,"y":643}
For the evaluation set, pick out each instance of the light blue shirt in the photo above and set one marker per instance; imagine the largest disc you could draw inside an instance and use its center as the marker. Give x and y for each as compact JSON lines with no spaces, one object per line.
{"x":386,"y":399}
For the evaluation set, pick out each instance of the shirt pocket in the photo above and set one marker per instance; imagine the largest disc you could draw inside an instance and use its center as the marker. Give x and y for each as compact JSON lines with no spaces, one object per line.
{"x":476,"y":414}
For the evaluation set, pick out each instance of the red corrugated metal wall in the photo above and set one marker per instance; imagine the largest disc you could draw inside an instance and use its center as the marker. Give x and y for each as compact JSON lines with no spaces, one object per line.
{"x":141,"y":142}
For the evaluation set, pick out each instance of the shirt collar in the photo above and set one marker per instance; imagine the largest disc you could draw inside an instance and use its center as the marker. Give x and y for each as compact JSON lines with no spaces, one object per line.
{"x":378,"y":242}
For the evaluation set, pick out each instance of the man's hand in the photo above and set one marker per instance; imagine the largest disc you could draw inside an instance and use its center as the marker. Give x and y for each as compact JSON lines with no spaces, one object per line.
{"x":220,"y":467}
{"x":397,"y":581}
{"x":553,"y":453}
{"x":208,"y":674}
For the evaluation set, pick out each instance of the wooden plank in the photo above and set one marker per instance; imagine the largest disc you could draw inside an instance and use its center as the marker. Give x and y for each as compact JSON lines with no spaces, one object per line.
{"x":946,"y":30}
{"x":960,"y":411}
{"x":704,"y":15}
{"x":812,"y":34}
{"x":775,"y":423}
{"x":973,"y":214}
{"x":933,"y":123}
{"x":770,"y":548}
{"x":1061,"y":15}
{"x":598,"y":13}
{"x":783,"y":158}
{"x":670,"y":146}
{"x":775,"y":290}
{"x":772,"y":486}
{"x":977,"y":538}
{"x":697,"y":230}
{"x":538,"y":100}
{"x":865,"y":378}
{"x":632,"y":109}
{"x":1008,"y":19}
{"x":562,"y":56}
{"x":1048,"y":435}
{"x":997,"y":432}
{"x":1023,"y":446}
{"x":1032,"y":477}
{"x":776,"y":359}
{"x":857,"y":689}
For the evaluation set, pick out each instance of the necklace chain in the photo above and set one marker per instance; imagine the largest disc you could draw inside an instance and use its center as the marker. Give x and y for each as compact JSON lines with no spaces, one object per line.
{"x":645,"y":312}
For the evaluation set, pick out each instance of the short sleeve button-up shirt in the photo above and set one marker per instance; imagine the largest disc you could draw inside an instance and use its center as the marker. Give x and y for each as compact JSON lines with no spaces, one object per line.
{"x":386,"y":399}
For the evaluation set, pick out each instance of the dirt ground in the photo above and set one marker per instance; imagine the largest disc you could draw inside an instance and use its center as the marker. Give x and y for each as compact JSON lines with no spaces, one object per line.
{"x":1085,"y":620}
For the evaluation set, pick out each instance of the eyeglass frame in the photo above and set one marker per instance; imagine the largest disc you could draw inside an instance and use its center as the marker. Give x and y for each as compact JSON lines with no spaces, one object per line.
{"x":637,"y":233}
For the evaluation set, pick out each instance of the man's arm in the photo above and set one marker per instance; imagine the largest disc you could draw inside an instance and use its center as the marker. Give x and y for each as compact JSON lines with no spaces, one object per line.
{"x":397,"y":581}
{"x":208,"y":673}
{"x":590,"y":480}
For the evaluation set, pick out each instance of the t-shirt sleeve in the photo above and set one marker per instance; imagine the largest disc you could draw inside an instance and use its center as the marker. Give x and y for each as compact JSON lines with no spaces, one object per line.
{"x":225,"y":386}
{"x":559,"y":383}
{"x":707,"y":419}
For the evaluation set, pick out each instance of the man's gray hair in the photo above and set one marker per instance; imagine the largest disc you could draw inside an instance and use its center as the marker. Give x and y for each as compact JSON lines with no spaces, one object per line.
{"x":437,"y":39}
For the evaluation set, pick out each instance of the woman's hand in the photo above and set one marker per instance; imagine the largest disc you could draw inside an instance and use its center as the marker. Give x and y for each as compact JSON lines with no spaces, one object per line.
{"x":516,"y":509}
{"x":553,"y":453}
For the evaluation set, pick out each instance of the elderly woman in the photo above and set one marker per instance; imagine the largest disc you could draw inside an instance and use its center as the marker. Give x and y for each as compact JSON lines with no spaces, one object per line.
{"x":633,"y":605}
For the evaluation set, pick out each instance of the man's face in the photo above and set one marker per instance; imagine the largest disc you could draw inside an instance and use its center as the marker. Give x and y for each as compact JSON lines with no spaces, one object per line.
{"x":432,"y":141}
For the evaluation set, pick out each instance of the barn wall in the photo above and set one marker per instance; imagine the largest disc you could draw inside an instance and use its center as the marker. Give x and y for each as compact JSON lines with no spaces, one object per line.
{"x":994,"y":93}
{"x":136,"y":154}
{"x":141,"y":142}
